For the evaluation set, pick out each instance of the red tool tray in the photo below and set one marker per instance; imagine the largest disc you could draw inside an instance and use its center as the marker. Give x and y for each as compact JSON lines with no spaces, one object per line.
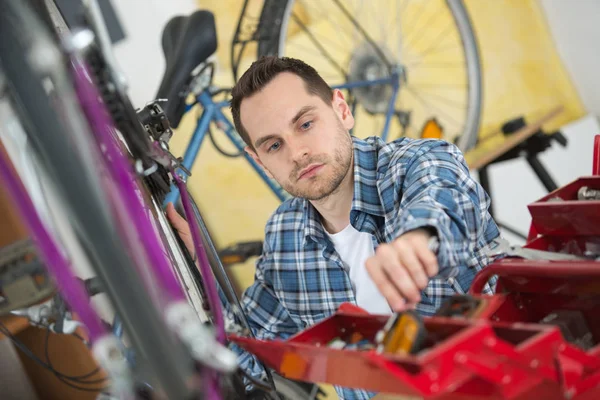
{"x":538,"y":337}
{"x":462,"y":359}
{"x":560,"y":213}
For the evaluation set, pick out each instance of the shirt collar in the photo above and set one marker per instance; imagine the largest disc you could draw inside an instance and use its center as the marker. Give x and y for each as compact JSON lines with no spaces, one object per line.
{"x":366,"y":194}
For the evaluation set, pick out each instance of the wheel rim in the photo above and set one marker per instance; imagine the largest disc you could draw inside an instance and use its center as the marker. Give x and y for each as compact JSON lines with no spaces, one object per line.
{"x":433,"y":45}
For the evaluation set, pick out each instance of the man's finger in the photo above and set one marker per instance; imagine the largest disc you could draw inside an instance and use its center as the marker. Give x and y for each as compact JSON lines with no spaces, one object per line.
{"x":177,"y":220}
{"x":383,"y":283}
{"x":428,"y":260}
{"x":408,"y":258}
{"x":182,"y":227}
{"x":390,"y":261}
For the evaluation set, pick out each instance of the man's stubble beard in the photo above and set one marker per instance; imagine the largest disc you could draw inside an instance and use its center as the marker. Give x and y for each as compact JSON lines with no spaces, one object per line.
{"x":341,"y":164}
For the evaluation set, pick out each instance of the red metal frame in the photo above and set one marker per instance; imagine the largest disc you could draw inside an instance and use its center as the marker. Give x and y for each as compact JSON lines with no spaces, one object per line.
{"x":507,"y":351}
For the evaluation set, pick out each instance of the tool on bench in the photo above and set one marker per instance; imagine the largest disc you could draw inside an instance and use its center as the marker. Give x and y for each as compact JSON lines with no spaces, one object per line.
{"x":404,"y":332}
{"x":503,"y":247}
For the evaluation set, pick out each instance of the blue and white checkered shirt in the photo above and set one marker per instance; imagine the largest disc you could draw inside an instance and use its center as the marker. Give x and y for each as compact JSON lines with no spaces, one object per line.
{"x":398,"y":187}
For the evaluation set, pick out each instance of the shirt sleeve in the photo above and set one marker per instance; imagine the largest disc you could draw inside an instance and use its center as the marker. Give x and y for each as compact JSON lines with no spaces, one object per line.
{"x":267,"y":317}
{"x":438,"y":192}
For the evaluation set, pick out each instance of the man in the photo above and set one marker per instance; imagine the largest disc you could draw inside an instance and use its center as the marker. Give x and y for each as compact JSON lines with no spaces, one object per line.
{"x":362,"y":213}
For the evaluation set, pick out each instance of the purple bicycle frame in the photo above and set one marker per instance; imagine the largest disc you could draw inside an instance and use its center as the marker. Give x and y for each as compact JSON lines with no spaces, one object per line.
{"x":123,"y":175}
{"x":56,"y":263}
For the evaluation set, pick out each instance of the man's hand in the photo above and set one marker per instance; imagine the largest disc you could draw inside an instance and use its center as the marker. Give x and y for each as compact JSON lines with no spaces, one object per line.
{"x":182,"y":227}
{"x":402,"y":269}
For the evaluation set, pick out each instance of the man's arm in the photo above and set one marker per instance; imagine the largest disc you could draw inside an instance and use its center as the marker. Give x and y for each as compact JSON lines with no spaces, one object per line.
{"x":266,"y":316}
{"x":438,"y":197}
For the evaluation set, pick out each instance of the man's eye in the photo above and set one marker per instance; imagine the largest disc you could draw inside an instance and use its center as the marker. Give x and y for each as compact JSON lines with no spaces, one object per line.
{"x":275,"y":146}
{"x":306,"y":125}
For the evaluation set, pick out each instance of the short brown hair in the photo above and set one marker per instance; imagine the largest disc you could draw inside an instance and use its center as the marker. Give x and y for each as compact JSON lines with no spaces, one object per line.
{"x":261,"y":72}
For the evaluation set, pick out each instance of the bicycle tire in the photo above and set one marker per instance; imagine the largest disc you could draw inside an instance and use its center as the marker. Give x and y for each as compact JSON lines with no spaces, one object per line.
{"x":274,"y":22}
{"x":74,"y":175}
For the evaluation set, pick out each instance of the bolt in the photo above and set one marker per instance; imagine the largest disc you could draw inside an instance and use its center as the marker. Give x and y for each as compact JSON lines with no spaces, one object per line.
{"x":506,"y":379}
{"x":490,"y":342}
{"x":534,"y":363}
{"x":460,"y":358}
{"x":434,"y":387}
{"x":433,"y":375}
{"x":585,"y":193}
{"x":562,"y":347}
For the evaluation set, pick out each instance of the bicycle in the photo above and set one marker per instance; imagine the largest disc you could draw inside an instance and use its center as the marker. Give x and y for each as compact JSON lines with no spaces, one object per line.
{"x":60,"y":96}
{"x":373,"y":79}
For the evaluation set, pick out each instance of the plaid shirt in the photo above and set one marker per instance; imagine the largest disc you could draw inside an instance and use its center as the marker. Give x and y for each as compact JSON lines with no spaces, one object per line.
{"x":398,"y":187}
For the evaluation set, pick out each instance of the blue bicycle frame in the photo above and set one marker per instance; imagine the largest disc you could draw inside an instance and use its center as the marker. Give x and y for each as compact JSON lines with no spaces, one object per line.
{"x":212,"y":112}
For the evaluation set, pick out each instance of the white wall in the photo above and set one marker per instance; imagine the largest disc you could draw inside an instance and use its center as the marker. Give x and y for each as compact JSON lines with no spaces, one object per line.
{"x":514,"y":185}
{"x":140,"y":54}
{"x":575,"y":27}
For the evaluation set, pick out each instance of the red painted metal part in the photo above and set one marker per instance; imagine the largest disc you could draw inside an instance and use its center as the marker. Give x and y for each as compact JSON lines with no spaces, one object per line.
{"x":511,"y":350}
{"x":596,"y":160}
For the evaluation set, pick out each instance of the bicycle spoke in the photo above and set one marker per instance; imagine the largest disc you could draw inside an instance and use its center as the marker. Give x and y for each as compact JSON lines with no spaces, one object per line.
{"x":322,"y":11}
{"x":442,"y":34}
{"x":363,"y":33}
{"x":445,"y":100}
{"x":439,"y":85}
{"x":414,"y":22}
{"x":320,"y":47}
{"x":429,"y":106}
{"x":438,"y":50}
{"x":438,"y":65}
{"x":427,"y":24}
{"x":317,"y":36}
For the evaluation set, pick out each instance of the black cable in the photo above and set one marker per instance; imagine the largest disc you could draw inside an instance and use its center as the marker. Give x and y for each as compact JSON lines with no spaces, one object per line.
{"x":261,"y":385}
{"x":220,"y":149}
{"x":78,"y":379}
{"x":21,"y":346}
{"x":214,"y":142}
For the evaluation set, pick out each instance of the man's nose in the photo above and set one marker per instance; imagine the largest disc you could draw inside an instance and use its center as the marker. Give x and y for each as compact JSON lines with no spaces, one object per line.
{"x":299,"y":148}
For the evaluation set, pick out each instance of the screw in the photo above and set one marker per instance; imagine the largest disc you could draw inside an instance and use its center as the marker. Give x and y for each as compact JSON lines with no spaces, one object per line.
{"x":433,"y":375}
{"x":585,"y":193}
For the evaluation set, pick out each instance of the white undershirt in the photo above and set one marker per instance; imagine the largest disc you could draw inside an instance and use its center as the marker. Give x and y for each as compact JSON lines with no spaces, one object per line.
{"x":355,"y":248}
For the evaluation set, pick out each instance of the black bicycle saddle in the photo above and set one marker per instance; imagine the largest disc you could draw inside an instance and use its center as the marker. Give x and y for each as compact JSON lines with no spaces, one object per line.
{"x":187,"y":41}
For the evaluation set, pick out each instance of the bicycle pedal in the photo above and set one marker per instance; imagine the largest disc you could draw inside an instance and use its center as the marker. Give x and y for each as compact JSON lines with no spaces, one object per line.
{"x":240,"y":252}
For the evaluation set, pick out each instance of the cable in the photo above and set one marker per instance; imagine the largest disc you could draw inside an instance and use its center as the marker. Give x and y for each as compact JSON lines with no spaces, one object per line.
{"x":21,"y":346}
{"x":220,"y":149}
{"x":78,"y":379}
{"x":261,"y":385}
{"x":214,"y":142}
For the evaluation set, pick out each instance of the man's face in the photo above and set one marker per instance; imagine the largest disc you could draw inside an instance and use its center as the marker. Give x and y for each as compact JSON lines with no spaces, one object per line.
{"x":301,"y":141}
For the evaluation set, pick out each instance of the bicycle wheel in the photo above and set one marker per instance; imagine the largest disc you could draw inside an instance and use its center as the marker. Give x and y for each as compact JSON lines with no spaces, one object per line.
{"x":430,"y":42}
{"x":38,"y":85}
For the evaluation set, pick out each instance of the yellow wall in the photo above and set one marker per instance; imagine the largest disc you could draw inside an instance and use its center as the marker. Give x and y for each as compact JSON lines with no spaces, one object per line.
{"x":523,"y":75}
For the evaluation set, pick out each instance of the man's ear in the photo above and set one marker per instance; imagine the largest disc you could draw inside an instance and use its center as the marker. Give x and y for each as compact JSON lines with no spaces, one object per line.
{"x":252,"y":153}
{"x":342,"y":109}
